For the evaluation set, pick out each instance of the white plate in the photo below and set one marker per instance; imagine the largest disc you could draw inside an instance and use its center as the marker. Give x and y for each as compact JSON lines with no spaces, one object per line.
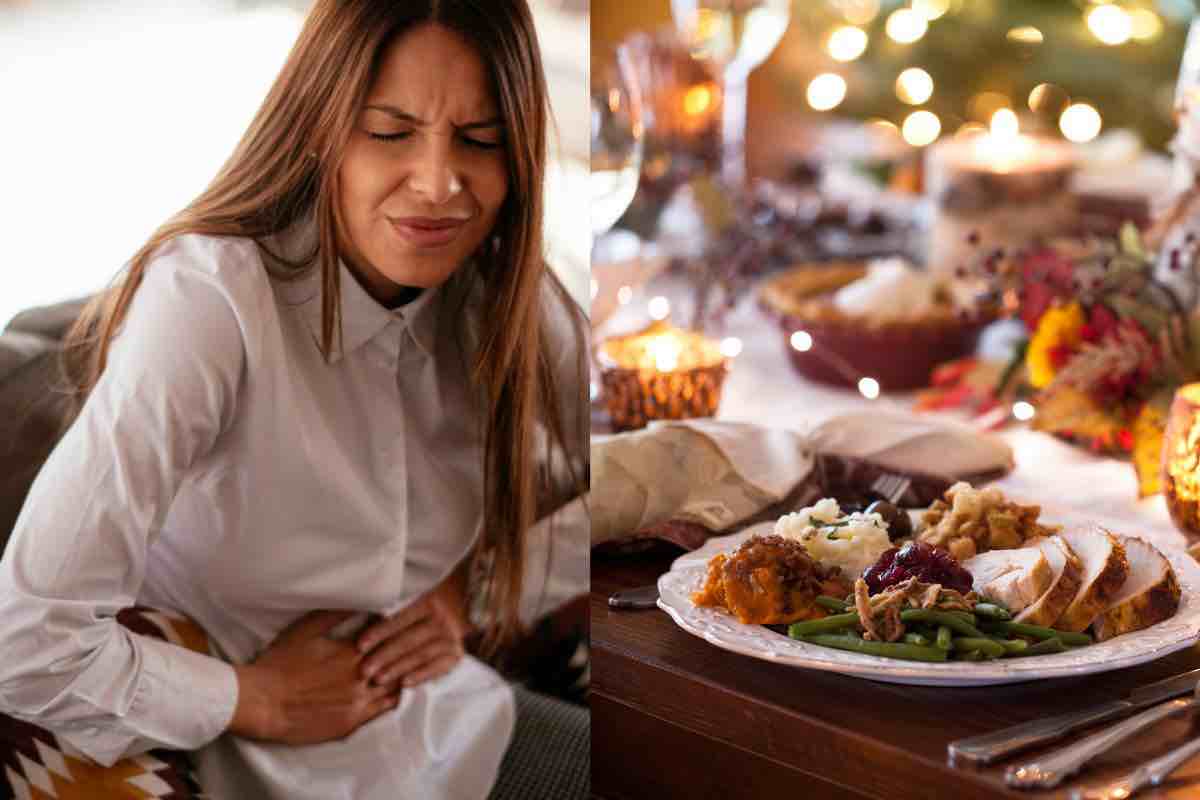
{"x":720,"y":628}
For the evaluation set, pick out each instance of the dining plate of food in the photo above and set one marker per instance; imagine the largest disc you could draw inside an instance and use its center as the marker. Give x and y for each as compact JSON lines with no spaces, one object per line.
{"x":973,"y":591}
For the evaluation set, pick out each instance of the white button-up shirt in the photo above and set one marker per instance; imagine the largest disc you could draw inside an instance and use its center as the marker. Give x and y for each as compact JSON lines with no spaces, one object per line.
{"x":223,"y":469}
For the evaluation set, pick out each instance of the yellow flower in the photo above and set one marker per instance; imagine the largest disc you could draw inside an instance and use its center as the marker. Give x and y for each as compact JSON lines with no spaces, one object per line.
{"x":1057,"y":332}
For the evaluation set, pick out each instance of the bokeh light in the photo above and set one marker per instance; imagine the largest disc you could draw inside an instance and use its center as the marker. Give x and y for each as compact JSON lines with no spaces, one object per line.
{"x":869,"y":388}
{"x":1023,"y":411}
{"x":914,"y":86}
{"x":1110,"y":24}
{"x":1145,"y":24}
{"x":1026,"y":34}
{"x":1080,"y":122}
{"x":731,"y":347}
{"x":921,"y":128}
{"x":906,"y":26}
{"x":931,"y":9}
{"x":659,"y":307}
{"x":846,"y":43}
{"x":826,"y":91}
{"x":1046,"y":98}
{"x":802,"y":341}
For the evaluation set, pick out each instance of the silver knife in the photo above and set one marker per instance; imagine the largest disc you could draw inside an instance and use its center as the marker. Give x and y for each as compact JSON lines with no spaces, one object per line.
{"x":990,"y":747}
{"x":642,"y":597}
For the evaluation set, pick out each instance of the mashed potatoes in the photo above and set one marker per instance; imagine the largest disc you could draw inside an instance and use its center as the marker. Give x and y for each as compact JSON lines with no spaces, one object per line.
{"x":850,"y":541}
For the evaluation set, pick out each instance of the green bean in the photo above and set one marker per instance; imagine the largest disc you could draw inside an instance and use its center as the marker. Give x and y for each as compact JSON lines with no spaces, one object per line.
{"x":1012,"y":646}
{"x":910,"y":652}
{"x":1045,"y":646}
{"x":951,"y":620}
{"x":984,"y":645}
{"x":992,"y":611}
{"x":970,"y":655}
{"x":1038,"y":632}
{"x":831,"y":603}
{"x":824,"y":625}
{"x":944,"y":635}
{"x":917,"y":638}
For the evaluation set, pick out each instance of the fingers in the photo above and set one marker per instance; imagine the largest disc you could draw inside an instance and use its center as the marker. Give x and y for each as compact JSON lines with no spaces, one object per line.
{"x":436,"y":668}
{"x":402,"y":644}
{"x":429,"y":661}
{"x":390,"y":626}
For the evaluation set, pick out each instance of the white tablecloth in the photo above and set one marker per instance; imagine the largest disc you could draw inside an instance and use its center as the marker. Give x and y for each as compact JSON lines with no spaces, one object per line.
{"x":1073,"y":486}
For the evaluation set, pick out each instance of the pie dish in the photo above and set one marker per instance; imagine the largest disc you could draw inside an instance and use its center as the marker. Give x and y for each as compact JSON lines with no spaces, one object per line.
{"x":880,"y":319}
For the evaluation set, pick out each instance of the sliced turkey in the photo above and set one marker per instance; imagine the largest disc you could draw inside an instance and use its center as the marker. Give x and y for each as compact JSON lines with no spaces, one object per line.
{"x":1016,"y":578}
{"x":1064,"y":585}
{"x":1104,"y":570}
{"x":1150,"y":593}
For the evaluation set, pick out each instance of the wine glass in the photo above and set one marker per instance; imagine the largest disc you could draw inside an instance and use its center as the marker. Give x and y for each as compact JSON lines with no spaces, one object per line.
{"x":738,"y":35}
{"x":617,"y":134}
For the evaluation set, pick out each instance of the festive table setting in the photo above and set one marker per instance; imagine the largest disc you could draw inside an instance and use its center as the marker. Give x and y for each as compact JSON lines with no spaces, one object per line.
{"x":899,"y":447}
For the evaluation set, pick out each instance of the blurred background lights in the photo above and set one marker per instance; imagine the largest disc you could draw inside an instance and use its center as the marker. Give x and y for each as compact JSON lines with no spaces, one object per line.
{"x":697,"y":100}
{"x":731,"y":347}
{"x":1110,"y":24}
{"x":1046,"y":98}
{"x":869,"y":388}
{"x":931,"y":9}
{"x":914,"y":86}
{"x":1026,"y":34}
{"x":906,"y":26}
{"x":982,"y":106}
{"x":846,"y":43}
{"x":802,"y":341}
{"x":1080,"y":123}
{"x":858,"y":12}
{"x":660,"y":307}
{"x":826,"y":91}
{"x":921,"y":128}
{"x":1145,"y":24}
{"x":1022,"y":411}
{"x":624,"y":295}
{"x":1004,"y":124}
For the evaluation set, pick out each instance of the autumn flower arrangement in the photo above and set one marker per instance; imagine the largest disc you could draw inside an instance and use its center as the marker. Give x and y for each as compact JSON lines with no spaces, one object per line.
{"x":1111,"y":336}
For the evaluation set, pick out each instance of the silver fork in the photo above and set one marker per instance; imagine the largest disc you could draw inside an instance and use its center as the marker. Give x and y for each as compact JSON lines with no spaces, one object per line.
{"x":891,"y":487}
{"x":1152,"y":773}
{"x":1051,"y":769}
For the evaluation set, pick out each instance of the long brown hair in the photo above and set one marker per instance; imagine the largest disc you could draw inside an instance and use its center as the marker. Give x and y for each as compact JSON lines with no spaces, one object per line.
{"x":286,"y":168}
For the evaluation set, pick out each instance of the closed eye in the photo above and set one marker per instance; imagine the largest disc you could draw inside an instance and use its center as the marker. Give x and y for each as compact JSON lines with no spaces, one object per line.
{"x":390,"y":137}
{"x":480,"y":143}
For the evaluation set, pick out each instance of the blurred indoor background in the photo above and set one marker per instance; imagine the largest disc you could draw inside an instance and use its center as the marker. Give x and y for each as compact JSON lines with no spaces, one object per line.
{"x":118,"y":112}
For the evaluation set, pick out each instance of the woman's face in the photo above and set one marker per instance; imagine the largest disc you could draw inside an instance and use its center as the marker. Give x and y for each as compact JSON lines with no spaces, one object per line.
{"x":424,"y":174}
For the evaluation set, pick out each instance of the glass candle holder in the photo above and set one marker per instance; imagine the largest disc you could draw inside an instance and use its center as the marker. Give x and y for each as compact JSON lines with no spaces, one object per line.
{"x":660,"y":372}
{"x":1181,"y":461}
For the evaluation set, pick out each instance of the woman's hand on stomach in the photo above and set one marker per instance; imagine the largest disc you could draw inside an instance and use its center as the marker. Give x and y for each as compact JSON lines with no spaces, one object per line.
{"x":306,"y":688}
{"x":421,"y":642}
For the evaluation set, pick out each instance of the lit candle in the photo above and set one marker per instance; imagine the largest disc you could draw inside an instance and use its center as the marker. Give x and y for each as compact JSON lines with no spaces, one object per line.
{"x":999,"y":187}
{"x":662,"y":372}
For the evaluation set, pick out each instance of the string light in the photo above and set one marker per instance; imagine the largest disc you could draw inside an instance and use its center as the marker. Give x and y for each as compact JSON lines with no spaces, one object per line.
{"x":802,"y":341}
{"x":1026,"y":34}
{"x":1005,"y":124}
{"x":1080,"y":123}
{"x":906,"y":26}
{"x":931,"y":9}
{"x":921,"y":128}
{"x":914,"y":86}
{"x":869,"y":388}
{"x":859,"y":12}
{"x":1145,"y":24}
{"x":826,"y":91}
{"x":731,"y":347}
{"x":624,"y":295}
{"x":1022,"y":411}
{"x":1110,"y":24}
{"x":660,"y":307}
{"x":697,"y":100}
{"x":846,"y":43}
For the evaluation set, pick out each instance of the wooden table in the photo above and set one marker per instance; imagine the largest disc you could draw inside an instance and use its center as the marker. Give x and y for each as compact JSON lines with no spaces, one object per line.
{"x":676,"y":717}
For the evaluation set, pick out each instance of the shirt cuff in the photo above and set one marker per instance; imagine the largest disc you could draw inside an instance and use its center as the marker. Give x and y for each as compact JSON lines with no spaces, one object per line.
{"x":183,"y":701}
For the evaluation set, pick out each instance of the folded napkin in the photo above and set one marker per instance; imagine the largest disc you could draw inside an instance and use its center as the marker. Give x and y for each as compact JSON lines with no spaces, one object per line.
{"x":687,"y":481}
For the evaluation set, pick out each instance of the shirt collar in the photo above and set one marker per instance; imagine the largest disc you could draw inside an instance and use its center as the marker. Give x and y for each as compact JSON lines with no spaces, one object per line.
{"x":363,"y":317}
